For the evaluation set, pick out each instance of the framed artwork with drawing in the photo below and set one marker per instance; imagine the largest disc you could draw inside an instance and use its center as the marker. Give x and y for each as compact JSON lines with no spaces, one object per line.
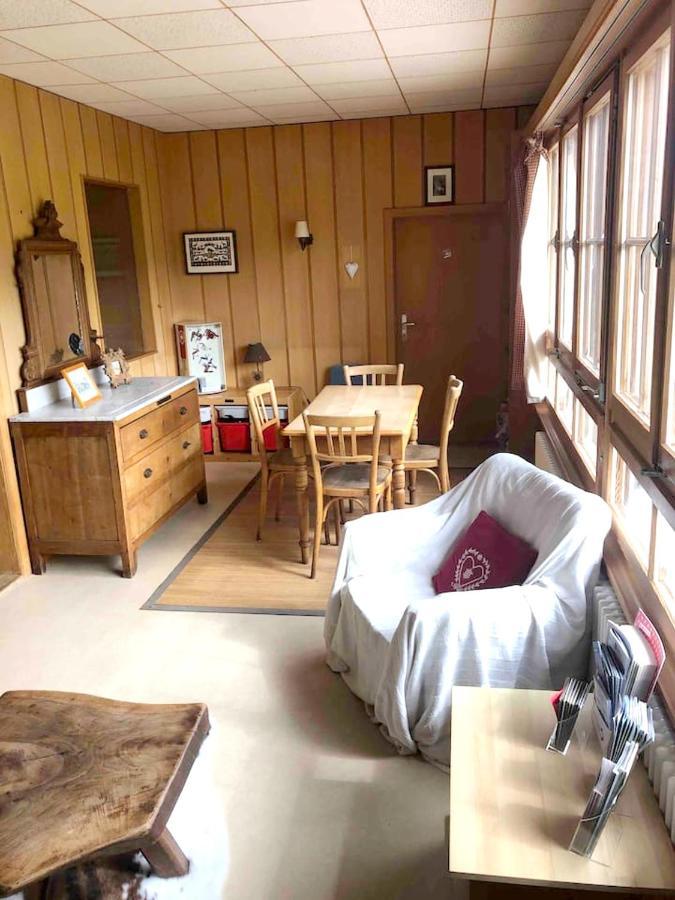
{"x":211,"y":252}
{"x":82,"y":385}
{"x":439,"y":185}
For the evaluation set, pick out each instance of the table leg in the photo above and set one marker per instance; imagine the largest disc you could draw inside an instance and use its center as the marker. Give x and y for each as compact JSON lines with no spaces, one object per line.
{"x":301,"y":484}
{"x":165,"y":856}
{"x":398,"y":483}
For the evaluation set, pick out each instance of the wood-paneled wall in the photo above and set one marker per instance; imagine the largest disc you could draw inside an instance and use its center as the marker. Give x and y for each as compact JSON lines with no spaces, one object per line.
{"x":339,"y":176}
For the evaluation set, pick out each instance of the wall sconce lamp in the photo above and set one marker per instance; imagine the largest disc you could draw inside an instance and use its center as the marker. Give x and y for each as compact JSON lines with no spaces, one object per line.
{"x":303,"y":235}
{"x":256,"y":353}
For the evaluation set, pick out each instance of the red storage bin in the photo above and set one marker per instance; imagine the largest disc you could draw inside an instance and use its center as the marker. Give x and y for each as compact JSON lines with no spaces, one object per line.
{"x":234,"y":437}
{"x":207,"y":437}
{"x":270,"y":436}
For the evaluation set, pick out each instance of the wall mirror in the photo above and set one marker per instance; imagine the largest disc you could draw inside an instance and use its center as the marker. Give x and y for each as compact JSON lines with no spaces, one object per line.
{"x":51,"y":282}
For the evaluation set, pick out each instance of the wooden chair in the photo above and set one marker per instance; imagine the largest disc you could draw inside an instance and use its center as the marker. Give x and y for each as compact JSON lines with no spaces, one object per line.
{"x":274,"y":464}
{"x":374,"y":375}
{"x":428,"y":457}
{"x":348,"y":472}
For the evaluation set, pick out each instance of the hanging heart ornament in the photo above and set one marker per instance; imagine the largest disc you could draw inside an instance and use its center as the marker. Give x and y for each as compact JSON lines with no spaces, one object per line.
{"x":351,"y":268}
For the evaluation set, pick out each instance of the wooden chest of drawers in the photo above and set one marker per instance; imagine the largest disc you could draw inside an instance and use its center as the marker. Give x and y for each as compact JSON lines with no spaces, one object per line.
{"x":102,"y":484}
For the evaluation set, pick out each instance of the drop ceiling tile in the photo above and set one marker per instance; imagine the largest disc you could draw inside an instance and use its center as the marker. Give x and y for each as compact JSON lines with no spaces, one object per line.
{"x":456,"y":81}
{"x":370,"y":104}
{"x":439,"y":63}
{"x":167,"y":122}
{"x":328,"y":48}
{"x":513,"y":94}
{"x":153,"y":88}
{"x":294,"y":110}
{"x":444,"y":107}
{"x":176,"y":31}
{"x":337,"y":72}
{"x":128,"y":107}
{"x":228,"y":118}
{"x":29,"y":13}
{"x":235,"y":3}
{"x":435,"y":38}
{"x":12,"y":53}
{"x":403,"y":13}
{"x":68,"y":41}
{"x":521,"y":75}
{"x":380,"y":88}
{"x":379,"y":113}
{"x":527,"y":55}
{"x":111,"y":9}
{"x":254,"y":80}
{"x":199,"y":103}
{"x":513,"y":32}
{"x":527,"y":7}
{"x":442,"y":97}
{"x":44,"y":74}
{"x":89,"y":93}
{"x":225,"y":58}
{"x":275,"y":95}
{"x":126,"y":66}
{"x":304,"y":18}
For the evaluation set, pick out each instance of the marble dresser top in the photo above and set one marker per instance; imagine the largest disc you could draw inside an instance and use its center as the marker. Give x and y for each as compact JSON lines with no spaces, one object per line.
{"x":115,"y":404}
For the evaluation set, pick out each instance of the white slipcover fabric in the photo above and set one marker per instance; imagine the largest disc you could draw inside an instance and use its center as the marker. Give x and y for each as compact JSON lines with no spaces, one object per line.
{"x":401,"y":648}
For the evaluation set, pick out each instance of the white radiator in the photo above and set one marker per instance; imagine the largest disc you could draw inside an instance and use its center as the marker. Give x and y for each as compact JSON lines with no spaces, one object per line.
{"x":659,"y":757}
{"x":544,"y":457}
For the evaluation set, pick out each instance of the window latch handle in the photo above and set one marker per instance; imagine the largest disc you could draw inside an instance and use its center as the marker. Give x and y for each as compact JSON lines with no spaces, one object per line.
{"x":652,"y":471}
{"x":656,"y":245}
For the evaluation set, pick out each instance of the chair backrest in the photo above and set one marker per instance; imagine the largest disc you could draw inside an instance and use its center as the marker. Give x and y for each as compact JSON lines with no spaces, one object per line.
{"x":453,"y":392}
{"x":374,"y":375}
{"x":263,"y":412}
{"x":341,"y":436}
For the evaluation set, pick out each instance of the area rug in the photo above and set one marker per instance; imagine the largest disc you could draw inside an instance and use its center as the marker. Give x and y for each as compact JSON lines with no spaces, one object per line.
{"x":228,"y":571}
{"x":198,"y":825}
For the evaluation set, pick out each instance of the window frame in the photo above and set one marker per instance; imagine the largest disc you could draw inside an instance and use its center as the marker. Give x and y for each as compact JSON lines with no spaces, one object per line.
{"x":564,"y":352}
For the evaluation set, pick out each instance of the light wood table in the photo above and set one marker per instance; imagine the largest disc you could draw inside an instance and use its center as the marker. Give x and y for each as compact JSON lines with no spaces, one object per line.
{"x":514,"y":805}
{"x":398,"y":405}
{"x":82,"y":776}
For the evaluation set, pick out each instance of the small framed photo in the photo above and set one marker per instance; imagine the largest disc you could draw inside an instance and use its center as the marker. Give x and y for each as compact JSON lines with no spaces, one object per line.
{"x":116,"y":367}
{"x":211,"y":252}
{"x":439,"y":184}
{"x":81,"y":383}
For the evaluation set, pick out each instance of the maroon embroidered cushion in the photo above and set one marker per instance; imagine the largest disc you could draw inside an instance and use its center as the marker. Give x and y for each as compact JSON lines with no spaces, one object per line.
{"x":485,"y":556}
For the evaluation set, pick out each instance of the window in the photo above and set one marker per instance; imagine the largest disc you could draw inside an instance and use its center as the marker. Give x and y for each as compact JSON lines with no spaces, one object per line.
{"x":585,"y":437}
{"x":592,"y":232}
{"x":552,"y":252}
{"x":123,"y":292}
{"x":632,"y":506}
{"x":642,"y":162}
{"x":564,"y":399}
{"x":668,"y":437}
{"x":664,"y":562}
{"x":568,"y":212}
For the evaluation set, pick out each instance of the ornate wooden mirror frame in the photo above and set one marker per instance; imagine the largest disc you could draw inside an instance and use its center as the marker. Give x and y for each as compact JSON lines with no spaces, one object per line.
{"x":51,"y":282}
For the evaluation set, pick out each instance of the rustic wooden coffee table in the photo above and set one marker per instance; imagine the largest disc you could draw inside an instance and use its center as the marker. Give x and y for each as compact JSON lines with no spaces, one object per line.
{"x":82,"y":776}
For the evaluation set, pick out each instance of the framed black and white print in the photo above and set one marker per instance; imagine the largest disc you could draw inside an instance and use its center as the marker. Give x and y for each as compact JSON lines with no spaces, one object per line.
{"x":210,"y":252}
{"x":439,"y":184}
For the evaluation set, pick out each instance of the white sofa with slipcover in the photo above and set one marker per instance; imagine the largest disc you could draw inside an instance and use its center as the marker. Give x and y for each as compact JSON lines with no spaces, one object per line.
{"x":401,"y":647}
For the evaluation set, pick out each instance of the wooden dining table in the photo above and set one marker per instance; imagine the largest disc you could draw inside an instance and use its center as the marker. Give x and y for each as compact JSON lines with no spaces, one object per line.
{"x":397,"y":405}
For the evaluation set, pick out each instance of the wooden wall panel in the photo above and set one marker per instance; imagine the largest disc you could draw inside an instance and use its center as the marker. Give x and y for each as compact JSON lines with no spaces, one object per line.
{"x":407,"y":140}
{"x":108,"y":150}
{"x":293,"y":207}
{"x":469,"y":156}
{"x":377,"y":193}
{"x":265,"y":223}
{"x":35,"y":152}
{"x":438,"y":144}
{"x":348,"y":168}
{"x":122,"y":149}
{"x":319,"y":186}
{"x":499,"y":124}
{"x":92,"y":141}
{"x":243,"y":286}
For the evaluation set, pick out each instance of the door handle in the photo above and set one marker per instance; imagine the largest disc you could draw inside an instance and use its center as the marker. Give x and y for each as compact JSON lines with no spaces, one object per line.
{"x":405,"y":325}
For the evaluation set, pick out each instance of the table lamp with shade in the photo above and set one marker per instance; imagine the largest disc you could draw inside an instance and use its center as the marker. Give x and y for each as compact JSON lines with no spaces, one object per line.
{"x":256,"y":353}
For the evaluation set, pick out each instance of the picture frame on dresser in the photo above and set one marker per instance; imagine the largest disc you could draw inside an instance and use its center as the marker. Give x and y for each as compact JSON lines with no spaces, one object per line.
{"x":84,"y":389}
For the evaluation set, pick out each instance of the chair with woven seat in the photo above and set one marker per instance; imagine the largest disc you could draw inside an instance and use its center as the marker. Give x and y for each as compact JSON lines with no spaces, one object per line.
{"x":345,"y":469}
{"x":374,"y":375}
{"x":429,"y":457}
{"x":274,"y":464}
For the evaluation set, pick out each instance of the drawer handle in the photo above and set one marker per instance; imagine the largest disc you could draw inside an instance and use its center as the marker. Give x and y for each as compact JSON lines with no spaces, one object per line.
{"x":147,"y":473}
{"x":183,"y":410}
{"x":143,"y":433}
{"x":186,"y":444}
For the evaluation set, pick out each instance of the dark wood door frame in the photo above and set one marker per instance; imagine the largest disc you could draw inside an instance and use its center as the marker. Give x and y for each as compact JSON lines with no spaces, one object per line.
{"x":409,"y":212}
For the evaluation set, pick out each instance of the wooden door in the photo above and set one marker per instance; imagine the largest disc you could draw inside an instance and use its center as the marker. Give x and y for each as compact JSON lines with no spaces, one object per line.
{"x":451,"y":280}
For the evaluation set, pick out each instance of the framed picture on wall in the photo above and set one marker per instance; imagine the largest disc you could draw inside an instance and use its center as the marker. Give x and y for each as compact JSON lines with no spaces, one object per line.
{"x":211,"y":252}
{"x":439,"y":185}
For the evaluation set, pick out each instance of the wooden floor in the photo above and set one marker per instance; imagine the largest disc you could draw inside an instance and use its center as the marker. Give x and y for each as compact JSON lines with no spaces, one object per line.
{"x":231,"y":571}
